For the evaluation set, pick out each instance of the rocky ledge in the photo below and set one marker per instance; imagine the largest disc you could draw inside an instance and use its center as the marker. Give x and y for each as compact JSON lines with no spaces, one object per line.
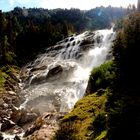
{"x":17,"y":123}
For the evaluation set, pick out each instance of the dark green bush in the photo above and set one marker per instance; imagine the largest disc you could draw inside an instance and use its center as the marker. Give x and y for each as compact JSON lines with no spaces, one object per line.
{"x":101,"y":77}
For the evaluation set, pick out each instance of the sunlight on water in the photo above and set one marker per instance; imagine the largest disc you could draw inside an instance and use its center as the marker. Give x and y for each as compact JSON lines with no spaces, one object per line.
{"x":58,"y":78}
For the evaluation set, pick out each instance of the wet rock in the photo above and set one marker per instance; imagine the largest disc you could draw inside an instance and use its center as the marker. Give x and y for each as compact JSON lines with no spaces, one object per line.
{"x":17,"y":115}
{"x":58,"y":47}
{"x":85,"y":42}
{"x":17,"y":138}
{"x":16,"y":101}
{"x":21,"y":117}
{"x":36,"y":111}
{"x":29,"y":117}
{"x":14,"y":77}
{"x":38,"y":68}
{"x":73,"y":43}
{"x":68,"y":45}
{"x":99,"y":39}
{"x":78,"y":42}
{"x":72,"y":38}
{"x":78,"y":55}
{"x":24,"y":73}
{"x":42,"y":104}
{"x":54,"y":71}
{"x":1,"y":136}
{"x":66,"y":40}
{"x":3,"y":113}
{"x":38,"y":79}
{"x":5,"y":106}
{"x":12,"y":93}
{"x":1,"y":102}
{"x":6,"y":124}
{"x":10,"y":85}
{"x":7,"y":100}
{"x":48,"y":126}
{"x":36,"y":126}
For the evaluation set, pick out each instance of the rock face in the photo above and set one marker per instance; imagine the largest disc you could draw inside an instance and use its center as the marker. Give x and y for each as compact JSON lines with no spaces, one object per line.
{"x":1,"y":137}
{"x":21,"y":117}
{"x":44,"y":127}
{"x":55,"y":71}
{"x":15,"y":121}
{"x":6,"y":124}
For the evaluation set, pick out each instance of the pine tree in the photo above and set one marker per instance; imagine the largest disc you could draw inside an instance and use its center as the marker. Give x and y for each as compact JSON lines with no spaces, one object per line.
{"x":124,"y":102}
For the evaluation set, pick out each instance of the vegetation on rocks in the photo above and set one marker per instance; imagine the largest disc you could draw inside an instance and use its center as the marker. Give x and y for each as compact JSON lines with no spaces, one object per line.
{"x":84,"y":120}
{"x":101,"y":77}
{"x":9,"y":79}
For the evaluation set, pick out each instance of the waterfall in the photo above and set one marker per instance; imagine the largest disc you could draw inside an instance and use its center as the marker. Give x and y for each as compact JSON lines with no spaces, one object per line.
{"x":57,"y":79}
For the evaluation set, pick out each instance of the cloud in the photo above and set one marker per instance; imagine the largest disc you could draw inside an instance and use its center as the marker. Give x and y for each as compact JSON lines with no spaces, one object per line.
{"x":22,"y":2}
{"x":65,"y":4}
{"x":82,"y":4}
{"x":11,"y":2}
{"x":52,"y":4}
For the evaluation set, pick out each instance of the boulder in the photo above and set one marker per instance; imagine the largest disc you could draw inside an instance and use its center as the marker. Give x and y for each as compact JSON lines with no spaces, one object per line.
{"x":6,"y":124}
{"x":21,"y":117}
{"x":12,"y":93}
{"x":29,"y":117}
{"x":1,"y":136}
{"x":17,"y":138}
{"x":38,"y":68}
{"x":3,"y":113}
{"x":54,"y":71}
{"x":38,"y":79}
{"x":72,"y":38}
{"x":86,"y":44}
{"x":1,"y":102}
{"x":44,"y":127}
{"x":36,"y":126}
{"x":58,"y":47}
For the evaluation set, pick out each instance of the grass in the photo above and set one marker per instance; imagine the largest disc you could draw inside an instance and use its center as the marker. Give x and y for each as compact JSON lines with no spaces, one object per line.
{"x":79,"y":123}
{"x":5,"y":77}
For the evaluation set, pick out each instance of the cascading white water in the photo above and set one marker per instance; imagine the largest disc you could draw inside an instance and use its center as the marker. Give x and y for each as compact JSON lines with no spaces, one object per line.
{"x":58,"y":78}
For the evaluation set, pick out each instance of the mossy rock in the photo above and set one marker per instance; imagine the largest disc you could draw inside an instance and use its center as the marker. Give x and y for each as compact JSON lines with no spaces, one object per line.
{"x":102,"y":136}
{"x":79,"y":123}
{"x":7,"y":78}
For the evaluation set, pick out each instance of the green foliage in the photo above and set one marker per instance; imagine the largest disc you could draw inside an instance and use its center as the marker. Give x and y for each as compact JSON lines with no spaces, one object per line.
{"x":124,"y":102}
{"x":86,"y":120}
{"x":3,"y":77}
{"x":7,"y":78}
{"x":101,"y":77}
{"x":103,"y":16}
{"x":100,"y":123}
{"x":126,"y":50}
{"x":102,"y":136}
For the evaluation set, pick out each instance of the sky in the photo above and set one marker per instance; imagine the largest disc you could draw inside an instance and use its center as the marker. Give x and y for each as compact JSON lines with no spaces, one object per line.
{"x":7,"y":5}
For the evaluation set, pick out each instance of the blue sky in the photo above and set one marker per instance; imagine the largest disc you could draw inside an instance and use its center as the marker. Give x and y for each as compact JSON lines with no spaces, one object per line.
{"x":6,"y":5}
